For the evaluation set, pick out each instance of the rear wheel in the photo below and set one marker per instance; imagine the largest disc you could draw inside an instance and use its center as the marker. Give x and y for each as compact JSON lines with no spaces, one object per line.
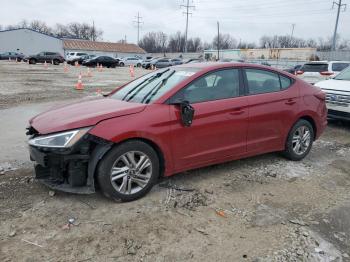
{"x":32,"y":61}
{"x":128,"y":171}
{"x":121,"y":64}
{"x":299,"y":141}
{"x":56,"y":62}
{"x":139,"y":65}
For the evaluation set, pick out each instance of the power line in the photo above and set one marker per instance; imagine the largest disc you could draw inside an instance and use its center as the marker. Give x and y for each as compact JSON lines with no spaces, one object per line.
{"x":340,"y":5}
{"x":188,"y":7}
{"x":138,"y":23}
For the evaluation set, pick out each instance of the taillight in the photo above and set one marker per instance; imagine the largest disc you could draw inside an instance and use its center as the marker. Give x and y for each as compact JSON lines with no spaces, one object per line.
{"x":326,"y":73}
{"x":321,"y":95}
{"x":300,"y":72}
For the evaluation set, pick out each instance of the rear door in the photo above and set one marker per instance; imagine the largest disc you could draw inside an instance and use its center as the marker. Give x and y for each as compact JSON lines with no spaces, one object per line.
{"x":273,"y":102}
{"x":219,"y":127}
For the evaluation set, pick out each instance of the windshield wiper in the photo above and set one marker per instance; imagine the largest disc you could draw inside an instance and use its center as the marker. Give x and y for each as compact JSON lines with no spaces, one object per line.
{"x":140,"y":85}
{"x":156,"y":88}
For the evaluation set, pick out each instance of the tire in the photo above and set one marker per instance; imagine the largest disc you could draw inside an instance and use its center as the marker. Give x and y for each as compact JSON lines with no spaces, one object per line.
{"x":126,"y":173}
{"x":302,"y":134}
{"x":139,"y":65}
{"x":32,"y":61}
{"x":56,"y":62}
{"x":122,"y":64}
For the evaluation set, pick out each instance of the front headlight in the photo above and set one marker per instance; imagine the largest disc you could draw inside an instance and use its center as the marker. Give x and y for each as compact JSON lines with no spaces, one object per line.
{"x":59,"y":140}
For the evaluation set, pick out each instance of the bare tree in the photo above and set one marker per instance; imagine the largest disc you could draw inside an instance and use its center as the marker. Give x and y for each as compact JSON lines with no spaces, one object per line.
{"x":154,"y":42}
{"x":40,"y":26}
{"x":176,"y":42}
{"x":226,"y":41}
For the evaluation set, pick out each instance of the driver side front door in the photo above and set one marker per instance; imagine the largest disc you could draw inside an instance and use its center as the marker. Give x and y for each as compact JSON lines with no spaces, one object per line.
{"x":219,"y":127}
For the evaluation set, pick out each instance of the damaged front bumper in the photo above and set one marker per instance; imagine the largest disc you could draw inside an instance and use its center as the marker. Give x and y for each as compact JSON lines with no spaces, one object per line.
{"x":70,"y":170}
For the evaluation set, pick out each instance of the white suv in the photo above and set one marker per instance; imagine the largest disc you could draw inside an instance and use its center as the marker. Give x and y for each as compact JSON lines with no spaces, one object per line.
{"x":314,"y":72}
{"x":126,"y":61}
{"x":338,"y":95}
{"x":74,"y":55}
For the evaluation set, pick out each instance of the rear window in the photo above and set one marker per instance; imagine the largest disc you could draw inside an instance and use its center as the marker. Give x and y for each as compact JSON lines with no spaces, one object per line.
{"x":337,"y":67}
{"x":314,"y":67}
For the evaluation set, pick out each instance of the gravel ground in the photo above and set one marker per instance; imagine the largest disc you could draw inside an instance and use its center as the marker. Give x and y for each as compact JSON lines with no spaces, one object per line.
{"x":263,"y":208}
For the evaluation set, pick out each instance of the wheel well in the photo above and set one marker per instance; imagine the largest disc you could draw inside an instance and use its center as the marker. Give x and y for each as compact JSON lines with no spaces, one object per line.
{"x":312,"y":122}
{"x":156,"y":148}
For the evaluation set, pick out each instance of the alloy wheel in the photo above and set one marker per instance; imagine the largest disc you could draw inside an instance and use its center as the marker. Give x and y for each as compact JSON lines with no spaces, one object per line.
{"x":131,"y":172}
{"x":301,"y":140}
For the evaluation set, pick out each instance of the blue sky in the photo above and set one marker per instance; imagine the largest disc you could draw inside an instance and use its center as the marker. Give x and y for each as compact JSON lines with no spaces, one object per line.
{"x":245,"y":19}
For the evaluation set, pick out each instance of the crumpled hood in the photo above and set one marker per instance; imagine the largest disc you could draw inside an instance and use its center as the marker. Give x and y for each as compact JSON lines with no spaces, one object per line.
{"x":82,"y":114}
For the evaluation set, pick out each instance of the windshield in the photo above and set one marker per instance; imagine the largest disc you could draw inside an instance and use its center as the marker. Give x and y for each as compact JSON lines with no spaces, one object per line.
{"x":150,"y":87}
{"x":344,"y":75}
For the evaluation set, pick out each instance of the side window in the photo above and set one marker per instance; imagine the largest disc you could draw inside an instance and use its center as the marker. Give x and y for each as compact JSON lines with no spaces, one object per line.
{"x":221,"y":84}
{"x":285,"y":82}
{"x":261,"y":81}
{"x":337,"y":67}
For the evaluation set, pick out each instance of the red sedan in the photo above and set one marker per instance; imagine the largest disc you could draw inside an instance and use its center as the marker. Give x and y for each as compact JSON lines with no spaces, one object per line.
{"x":173,"y":120}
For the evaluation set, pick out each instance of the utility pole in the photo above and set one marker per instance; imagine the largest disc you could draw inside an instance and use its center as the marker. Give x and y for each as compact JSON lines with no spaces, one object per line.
{"x":218,"y":41}
{"x":188,"y":7}
{"x":93,"y":34}
{"x":292,"y":34}
{"x":340,"y":5}
{"x":138,"y":23}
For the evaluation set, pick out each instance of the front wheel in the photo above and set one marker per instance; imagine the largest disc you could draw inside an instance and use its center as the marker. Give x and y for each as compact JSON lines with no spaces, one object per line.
{"x":299,"y":141}
{"x":128,"y":171}
{"x":122,"y":64}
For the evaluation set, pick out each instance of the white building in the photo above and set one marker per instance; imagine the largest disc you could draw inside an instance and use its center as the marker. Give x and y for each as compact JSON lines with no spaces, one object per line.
{"x":28,"y":42}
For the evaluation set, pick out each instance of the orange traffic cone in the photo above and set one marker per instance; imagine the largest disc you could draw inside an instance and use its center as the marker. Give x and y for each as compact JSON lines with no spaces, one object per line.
{"x":10,"y":59}
{"x":16,"y":60}
{"x":101,"y":68}
{"x":89,"y":74}
{"x":65,"y":67}
{"x":76,"y":64}
{"x":45,"y":65}
{"x":132,"y":71}
{"x":79,"y":85}
{"x":98,"y":91}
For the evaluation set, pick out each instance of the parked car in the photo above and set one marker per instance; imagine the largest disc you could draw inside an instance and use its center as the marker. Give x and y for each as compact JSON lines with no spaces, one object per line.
{"x":74,"y":56}
{"x":81,"y":59}
{"x":338,"y":95}
{"x":147,"y":128}
{"x":314,"y":72}
{"x":176,"y":61}
{"x":147,"y":64}
{"x":193,"y":60}
{"x":164,"y":62}
{"x":127,"y":61}
{"x":11,"y":55}
{"x":105,"y":61}
{"x":294,"y":69}
{"x":48,"y":57}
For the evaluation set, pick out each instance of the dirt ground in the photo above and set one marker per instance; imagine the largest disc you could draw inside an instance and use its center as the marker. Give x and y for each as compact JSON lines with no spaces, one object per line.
{"x":263,"y":208}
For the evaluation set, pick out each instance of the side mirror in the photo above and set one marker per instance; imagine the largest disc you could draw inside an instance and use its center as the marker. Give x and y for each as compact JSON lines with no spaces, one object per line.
{"x":186,"y":111}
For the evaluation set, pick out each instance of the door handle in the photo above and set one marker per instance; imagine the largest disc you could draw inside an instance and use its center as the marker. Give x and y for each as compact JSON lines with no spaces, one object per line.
{"x":237,"y":111}
{"x":290,"y":102}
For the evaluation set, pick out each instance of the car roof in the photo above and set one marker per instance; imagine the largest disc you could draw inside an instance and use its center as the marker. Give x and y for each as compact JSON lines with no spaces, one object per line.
{"x":218,"y":65}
